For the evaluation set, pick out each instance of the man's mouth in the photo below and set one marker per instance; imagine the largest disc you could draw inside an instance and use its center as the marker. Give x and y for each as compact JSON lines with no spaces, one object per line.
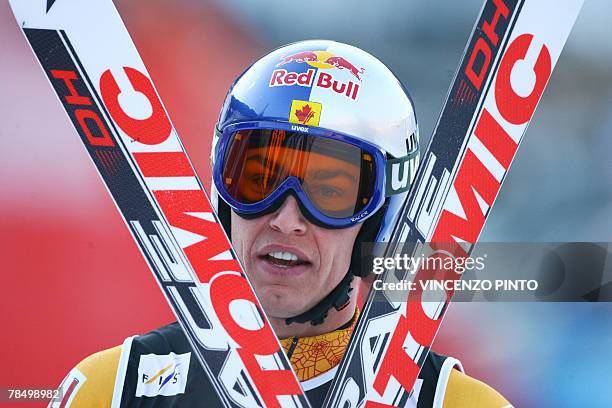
{"x":284,"y":259}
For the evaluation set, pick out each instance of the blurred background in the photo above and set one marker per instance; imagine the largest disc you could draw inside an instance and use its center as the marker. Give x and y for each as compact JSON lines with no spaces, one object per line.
{"x":75,"y":283}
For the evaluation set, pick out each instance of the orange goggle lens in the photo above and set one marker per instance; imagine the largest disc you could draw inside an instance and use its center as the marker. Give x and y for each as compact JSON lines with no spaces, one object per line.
{"x":337,"y":177}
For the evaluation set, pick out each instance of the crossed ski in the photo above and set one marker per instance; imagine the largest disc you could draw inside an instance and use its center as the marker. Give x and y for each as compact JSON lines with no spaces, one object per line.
{"x":147,"y":172}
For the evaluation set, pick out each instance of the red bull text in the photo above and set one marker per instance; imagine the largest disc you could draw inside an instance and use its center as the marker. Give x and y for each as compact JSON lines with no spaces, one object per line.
{"x":322,"y":60}
{"x":282,"y":77}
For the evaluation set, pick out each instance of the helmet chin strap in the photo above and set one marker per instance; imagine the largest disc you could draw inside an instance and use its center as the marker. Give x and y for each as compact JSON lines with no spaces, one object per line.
{"x":338,"y":298}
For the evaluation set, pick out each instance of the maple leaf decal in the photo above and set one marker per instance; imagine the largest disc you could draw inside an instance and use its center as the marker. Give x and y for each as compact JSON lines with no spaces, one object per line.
{"x":305,"y":114}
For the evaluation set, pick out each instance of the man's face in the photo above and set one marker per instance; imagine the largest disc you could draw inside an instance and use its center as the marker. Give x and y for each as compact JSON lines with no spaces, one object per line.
{"x":288,"y":287}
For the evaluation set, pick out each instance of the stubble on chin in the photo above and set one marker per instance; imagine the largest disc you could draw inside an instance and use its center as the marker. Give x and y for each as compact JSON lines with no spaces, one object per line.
{"x":278,"y":302}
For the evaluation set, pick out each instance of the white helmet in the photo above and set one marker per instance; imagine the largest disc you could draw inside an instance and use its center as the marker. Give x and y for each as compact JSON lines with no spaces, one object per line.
{"x":309,"y":105}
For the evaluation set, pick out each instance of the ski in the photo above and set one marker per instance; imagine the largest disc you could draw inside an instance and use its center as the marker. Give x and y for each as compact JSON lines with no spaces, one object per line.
{"x":93,"y":66}
{"x":505,"y":67}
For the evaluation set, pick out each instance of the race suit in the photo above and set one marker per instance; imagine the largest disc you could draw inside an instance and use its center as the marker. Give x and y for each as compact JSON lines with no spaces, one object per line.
{"x":158,"y":369}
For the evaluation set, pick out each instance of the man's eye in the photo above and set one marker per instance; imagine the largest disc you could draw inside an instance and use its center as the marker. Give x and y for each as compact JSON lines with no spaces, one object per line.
{"x":256,"y":178}
{"x":261,"y":177}
{"x":327,"y":192}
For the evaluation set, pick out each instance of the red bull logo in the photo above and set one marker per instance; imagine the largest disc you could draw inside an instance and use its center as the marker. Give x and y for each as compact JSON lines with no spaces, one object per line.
{"x":321,"y":60}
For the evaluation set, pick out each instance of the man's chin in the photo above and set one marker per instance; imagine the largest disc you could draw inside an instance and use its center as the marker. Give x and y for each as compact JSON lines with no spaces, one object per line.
{"x":281,"y":301}
{"x":281,"y":305}
{"x":281,"y":310}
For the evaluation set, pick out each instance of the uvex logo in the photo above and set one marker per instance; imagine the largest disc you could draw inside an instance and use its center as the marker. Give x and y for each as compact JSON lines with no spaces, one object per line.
{"x":399,"y":174}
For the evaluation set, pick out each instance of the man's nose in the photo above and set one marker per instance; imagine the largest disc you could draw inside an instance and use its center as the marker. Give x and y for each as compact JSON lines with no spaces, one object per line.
{"x":289,"y":219}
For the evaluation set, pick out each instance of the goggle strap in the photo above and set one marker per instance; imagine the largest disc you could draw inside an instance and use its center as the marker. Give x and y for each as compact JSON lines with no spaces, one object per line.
{"x":399,"y":174}
{"x":215,"y":144}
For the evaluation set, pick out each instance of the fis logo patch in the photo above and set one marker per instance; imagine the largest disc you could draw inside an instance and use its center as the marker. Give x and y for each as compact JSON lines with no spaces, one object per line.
{"x":305,"y":112}
{"x":164,"y":374}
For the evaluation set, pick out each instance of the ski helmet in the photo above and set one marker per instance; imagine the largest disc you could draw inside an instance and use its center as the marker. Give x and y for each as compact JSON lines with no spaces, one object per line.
{"x":329,"y":124}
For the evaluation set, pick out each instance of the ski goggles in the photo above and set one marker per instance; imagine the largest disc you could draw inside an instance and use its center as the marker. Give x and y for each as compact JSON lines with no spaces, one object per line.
{"x":338,"y":180}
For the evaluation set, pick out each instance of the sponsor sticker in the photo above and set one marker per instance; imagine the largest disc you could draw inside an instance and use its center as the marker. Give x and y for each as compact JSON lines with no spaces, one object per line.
{"x":325,"y":60}
{"x":305,"y":112}
{"x":162,"y":374}
{"x":322,"y":60}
